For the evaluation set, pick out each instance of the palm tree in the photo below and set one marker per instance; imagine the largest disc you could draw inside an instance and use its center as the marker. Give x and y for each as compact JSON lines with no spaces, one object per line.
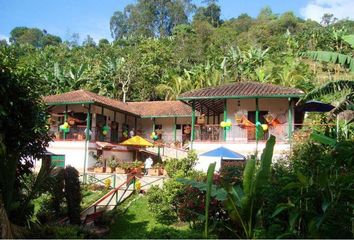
{"x":173,"y":88}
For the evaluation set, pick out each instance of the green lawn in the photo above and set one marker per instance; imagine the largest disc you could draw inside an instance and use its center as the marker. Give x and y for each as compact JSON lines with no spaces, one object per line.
{"x":91,"y":196}
{"x":139,"y":222}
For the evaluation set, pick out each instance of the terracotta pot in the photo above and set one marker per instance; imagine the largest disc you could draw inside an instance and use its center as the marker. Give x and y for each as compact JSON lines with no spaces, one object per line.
{"x":99,"y":170}
{"x":120,"y":170}
{"x":154,"y":172}
{"x":110,"y":170}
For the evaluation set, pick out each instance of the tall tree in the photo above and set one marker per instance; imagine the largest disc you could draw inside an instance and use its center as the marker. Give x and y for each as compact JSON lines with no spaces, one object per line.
{"x":150,"y":18}
{"x":211,"y":13}
{"x":33,"y":36}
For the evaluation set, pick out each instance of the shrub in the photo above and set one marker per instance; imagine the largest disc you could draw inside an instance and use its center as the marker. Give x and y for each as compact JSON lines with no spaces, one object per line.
{"x":181,"y":167}
{"x":232,"y":174}
{"x":57,"y":190}
{"x":161,"y":205}
{"x":73,"y":194}
{"x":112,"y":162}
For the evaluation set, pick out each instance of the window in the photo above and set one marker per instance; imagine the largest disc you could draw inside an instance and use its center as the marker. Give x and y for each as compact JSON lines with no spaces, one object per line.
{"x":178,"y":126}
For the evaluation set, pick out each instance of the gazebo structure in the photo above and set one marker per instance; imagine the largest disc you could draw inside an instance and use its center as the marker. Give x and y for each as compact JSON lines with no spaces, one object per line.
{"x":244,"y":105}
{"x":220,"y":155}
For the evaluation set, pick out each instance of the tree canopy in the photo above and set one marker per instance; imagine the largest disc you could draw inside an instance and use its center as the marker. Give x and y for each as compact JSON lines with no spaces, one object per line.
{"x":171,"y":46}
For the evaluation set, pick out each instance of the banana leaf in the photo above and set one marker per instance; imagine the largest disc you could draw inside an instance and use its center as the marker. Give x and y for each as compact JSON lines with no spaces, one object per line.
{"x":323,"y":139}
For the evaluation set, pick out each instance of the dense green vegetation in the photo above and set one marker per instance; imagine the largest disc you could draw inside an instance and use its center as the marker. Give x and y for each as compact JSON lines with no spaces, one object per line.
{"x":306,"y":195}
{"x":163,"y":48}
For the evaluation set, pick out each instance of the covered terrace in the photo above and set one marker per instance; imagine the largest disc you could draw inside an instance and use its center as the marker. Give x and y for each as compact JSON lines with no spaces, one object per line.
{"x":243,"y":104}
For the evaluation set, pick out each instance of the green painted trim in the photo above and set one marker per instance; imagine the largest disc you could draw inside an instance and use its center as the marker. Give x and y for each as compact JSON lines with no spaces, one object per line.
{"x":175,"y":130}
{"x":87,"y":139}
{"x":65,"y":119}
{"x":225,"y":117}
{"x":290,"y":119}
{"x":165,"y":116}
{"x":257,"y":118}
{"x":241,"y":97}
{"x":68,"y":103}
{"x":193,"y":123}
{"x":95,"y":103}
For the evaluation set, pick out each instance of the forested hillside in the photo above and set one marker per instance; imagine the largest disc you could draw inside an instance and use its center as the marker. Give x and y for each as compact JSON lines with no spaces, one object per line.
{"x":163,"y":48}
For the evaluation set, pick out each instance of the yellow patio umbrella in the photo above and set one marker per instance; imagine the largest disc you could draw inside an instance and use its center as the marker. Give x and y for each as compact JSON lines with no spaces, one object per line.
{"x":137,"y":141}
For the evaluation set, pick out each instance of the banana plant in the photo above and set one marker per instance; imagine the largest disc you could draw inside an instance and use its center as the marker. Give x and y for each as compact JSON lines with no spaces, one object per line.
{"x":333,"y":87}
{"x":243,"y":204}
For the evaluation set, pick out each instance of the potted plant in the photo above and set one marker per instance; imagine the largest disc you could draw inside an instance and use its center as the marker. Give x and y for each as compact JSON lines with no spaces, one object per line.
{"x":156,"y":170}
{"x":137,"y":165}
{"x":112,"y":163}
{"x":123,"y":167}
{"x":119,"y":168}
{"x":99,"y":165}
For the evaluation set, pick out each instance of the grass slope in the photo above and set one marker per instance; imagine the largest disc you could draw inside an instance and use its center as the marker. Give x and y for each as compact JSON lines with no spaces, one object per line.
{"x":139,"y":222}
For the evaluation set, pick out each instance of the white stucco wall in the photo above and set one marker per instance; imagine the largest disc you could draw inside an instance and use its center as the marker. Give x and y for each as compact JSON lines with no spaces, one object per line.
{"x":74,"y":152}
{"x":121,"y":155}
{"x":204,"y":162}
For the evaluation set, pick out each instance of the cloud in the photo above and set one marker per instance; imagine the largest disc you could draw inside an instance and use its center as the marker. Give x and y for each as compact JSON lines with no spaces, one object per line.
{"x":4,"y":37}
{"x":339,"y":8}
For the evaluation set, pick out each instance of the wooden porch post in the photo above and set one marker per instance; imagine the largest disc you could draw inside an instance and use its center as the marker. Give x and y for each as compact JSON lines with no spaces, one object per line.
{"x":193,"y":123}
{"x":65,"y":119}
{"x":87,"y":139}
{"x":208,"y":116}
{"x":225,"y":117}
{"x":135,"y":124}
{"x":153,"y":125}
{"x":116,"y":131}
{"x":290,"y":119}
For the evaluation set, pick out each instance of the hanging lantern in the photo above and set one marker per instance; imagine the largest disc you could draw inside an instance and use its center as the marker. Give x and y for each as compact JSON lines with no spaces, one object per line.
{"x":265,"y":127}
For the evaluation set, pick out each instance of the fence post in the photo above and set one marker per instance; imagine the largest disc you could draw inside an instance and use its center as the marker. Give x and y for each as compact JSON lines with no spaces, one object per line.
{"x":116,"y":196}
{"x":114,"y":180}
{"x":134,"y":183}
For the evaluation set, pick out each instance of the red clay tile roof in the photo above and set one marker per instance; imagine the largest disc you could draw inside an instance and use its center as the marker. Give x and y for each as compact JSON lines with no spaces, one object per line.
{"x":161,"y":109}
{"x":82,"y":96}
{"x":242,"y":90}
{"x":143,"y":109}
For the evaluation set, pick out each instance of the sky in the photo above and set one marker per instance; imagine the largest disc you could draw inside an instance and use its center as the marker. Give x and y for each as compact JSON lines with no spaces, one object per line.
{"x":65,"y":17}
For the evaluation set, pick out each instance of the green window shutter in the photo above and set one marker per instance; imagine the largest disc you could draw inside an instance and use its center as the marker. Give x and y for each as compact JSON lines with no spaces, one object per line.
{"x":58,"y":161}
